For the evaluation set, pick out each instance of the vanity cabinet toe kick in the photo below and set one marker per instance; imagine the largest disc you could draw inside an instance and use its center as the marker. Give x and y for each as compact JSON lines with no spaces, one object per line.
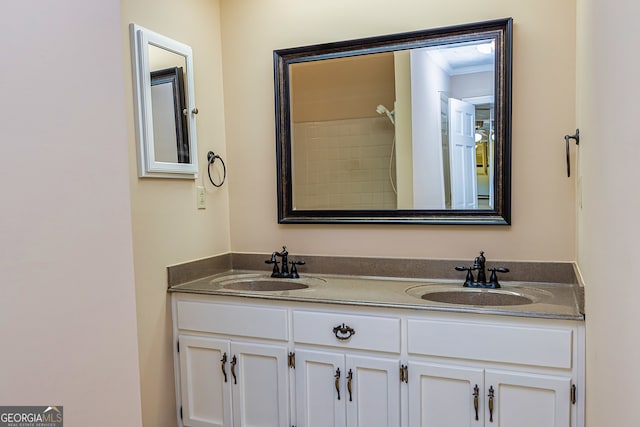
{"x":242,"y":362}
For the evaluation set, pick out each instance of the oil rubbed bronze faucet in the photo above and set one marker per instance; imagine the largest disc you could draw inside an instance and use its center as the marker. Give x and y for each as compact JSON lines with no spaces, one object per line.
{"x":481,"y":281}
{"x":284,"y":272}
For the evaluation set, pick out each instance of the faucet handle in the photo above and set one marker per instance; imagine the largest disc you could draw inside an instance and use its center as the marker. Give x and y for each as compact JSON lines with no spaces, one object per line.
{"x":276,"y":270}
{"x":468,"y":281}
{"x":294,"y":269}
{"x":493,"y":280}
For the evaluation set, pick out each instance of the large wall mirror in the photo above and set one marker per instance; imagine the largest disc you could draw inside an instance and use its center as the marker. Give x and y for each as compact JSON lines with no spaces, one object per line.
{"x":405,"y":128}
{"x":165,"y":105}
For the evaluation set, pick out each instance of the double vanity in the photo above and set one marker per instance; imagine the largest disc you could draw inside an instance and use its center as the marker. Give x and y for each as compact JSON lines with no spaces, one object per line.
{"x":373,"y":350}
{"x":359,"y":341}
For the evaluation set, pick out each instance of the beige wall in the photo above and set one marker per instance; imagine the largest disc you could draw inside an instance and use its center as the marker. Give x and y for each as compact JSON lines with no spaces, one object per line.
{"x":167,"y":227}
{"x":608,"y":229}
{"x":544,"y":111}
{"x":67,"y":309}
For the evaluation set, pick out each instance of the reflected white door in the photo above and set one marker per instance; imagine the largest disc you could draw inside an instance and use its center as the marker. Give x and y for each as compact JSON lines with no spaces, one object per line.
{"x":462,"y":155}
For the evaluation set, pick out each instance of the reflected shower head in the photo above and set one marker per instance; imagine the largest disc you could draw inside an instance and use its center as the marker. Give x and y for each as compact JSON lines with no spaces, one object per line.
{"x":381,"y":109}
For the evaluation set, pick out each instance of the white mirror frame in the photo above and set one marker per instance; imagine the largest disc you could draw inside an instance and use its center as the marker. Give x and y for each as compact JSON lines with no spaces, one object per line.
{"x":148,"y":166}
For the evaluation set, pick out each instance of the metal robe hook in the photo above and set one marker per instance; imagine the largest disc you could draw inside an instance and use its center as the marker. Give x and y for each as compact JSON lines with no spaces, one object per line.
{"x":575,"y":137}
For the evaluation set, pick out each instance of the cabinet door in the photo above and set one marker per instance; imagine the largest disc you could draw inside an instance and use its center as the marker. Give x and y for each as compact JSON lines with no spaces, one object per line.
{"x":528,"y":400}
{"x":445,"y":396}
{"x":260,"y":385}
{"x":320,"y":389}
{"x":372,"y":392}
{"x":204,"y":383}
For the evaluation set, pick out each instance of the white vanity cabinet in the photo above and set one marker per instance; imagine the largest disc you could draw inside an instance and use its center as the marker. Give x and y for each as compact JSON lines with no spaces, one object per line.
{"x":206,"y":391}
{"x":491,"y":374}
{"x":249,"y":362}
{"x":233,"y":365}
{"x":449,"y":395}
{"x":347,"y":369}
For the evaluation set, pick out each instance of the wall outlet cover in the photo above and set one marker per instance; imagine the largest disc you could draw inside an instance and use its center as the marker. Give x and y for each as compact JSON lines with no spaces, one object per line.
{"x":201,"y":197}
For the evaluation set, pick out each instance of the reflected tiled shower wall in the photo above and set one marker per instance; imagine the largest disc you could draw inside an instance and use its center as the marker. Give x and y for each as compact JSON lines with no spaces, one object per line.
{"x":343,"y":164}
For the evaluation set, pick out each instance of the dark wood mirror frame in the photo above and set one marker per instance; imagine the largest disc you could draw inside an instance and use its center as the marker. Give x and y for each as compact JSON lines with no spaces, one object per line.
{"x":500,"y":30}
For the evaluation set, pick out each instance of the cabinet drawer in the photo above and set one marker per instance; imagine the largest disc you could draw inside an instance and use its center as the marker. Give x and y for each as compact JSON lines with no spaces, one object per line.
{"x":370,"y":332}
{"x":229,"y":319}
{"x":535,"y":346}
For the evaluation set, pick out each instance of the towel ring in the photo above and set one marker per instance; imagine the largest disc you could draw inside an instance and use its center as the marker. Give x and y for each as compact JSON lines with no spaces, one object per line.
{"x":211,"y":159}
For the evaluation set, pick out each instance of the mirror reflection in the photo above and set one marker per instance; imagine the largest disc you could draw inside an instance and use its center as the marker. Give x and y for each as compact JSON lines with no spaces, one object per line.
{"x":394,"y":130}
{"x":374,"y":130}
{"x":170,"y":131}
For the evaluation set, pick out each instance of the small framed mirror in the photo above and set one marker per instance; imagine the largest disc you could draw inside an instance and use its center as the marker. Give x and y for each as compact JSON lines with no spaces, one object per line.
{"x":404,"y":128}
{"x":165,"y":105}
